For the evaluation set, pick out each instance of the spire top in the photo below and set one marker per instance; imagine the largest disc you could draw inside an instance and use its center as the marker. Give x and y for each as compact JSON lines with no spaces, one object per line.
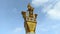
{"x":30,"y":8}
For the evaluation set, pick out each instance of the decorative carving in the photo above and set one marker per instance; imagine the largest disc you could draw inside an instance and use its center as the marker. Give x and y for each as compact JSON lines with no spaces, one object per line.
{"x":30,"y":19}
{"x":30,"y":13}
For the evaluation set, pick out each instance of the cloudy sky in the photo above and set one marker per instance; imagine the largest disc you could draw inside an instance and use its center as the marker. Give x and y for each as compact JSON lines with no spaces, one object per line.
{"x":12,"y":22}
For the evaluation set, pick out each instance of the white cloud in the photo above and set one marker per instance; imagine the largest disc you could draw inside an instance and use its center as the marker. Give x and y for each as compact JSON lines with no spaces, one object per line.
{"x":18,"y":30}
{"x":55,"y":12}
{"x":38,"y":2}
{"x":51,"y":7}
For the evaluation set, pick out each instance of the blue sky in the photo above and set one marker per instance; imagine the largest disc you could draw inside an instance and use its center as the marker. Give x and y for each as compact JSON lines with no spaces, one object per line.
{"x":12,"y":22}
